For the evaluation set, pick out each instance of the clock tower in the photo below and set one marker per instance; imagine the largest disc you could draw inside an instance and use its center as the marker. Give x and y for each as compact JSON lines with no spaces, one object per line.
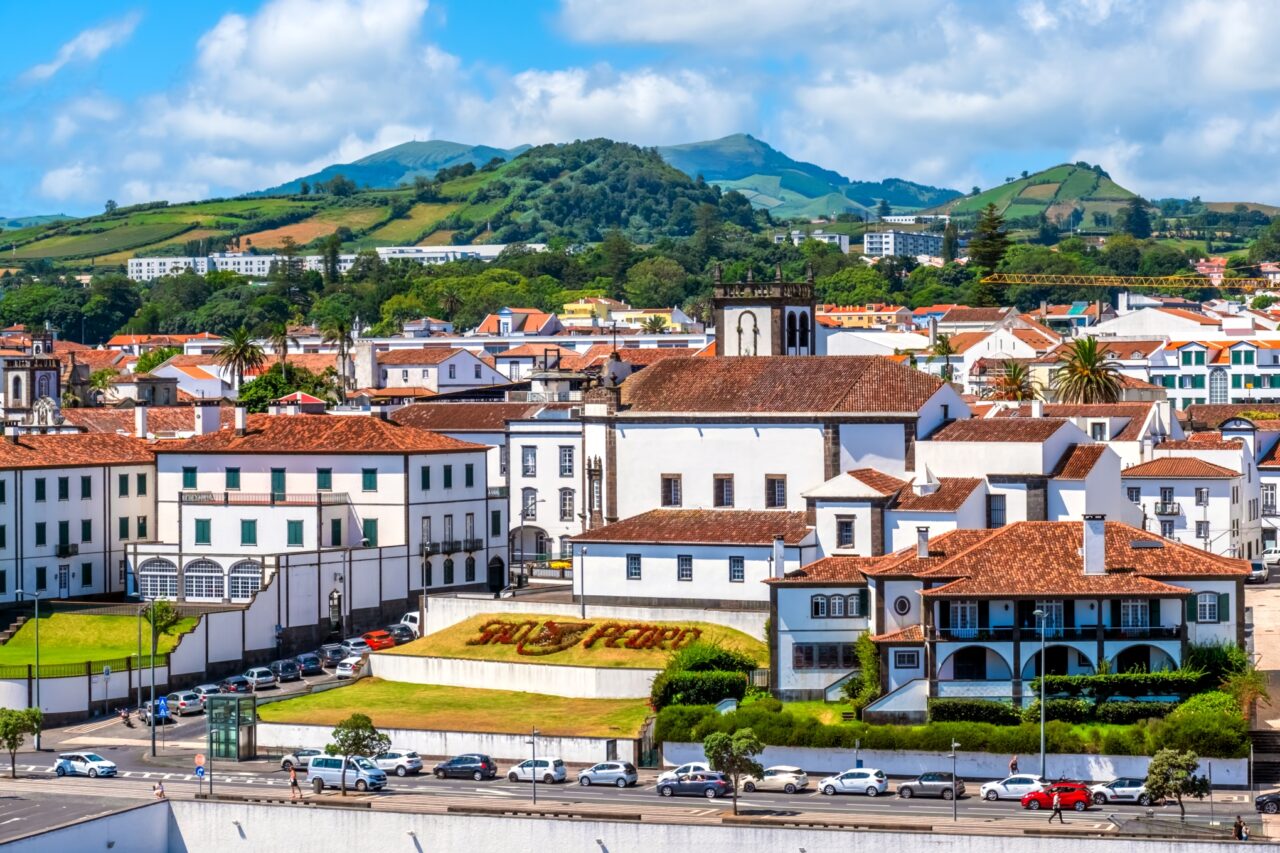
{"x":765,"y":317}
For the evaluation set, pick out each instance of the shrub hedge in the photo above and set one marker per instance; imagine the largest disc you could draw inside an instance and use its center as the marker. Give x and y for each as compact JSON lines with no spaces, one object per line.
{"x":697,"y":688}
{"x":973,"y":711}
{"x":1123,"y":713}
{"x":1101,"y":687}
{"x":1065,"y":710}
{"x":708,"y":656}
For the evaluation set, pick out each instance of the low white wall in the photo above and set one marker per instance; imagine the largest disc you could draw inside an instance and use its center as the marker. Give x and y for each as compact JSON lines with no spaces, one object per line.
{"x":70,"y":695}
{"x":970,"y":765}
{"x":443,"y":611}
{"x":579,"y":682}
{"x":145,"y":827}
{"x":504,"y":747}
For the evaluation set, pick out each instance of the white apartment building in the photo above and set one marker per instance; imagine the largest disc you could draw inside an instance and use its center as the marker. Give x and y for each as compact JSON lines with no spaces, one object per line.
{"x":548,"y":482}
{"x":435,"y":369}
{"x":797,"y":236}
{"x":891,"y":243}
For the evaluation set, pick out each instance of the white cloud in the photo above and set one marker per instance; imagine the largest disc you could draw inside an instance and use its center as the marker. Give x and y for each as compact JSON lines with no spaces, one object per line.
{"x":76,"y":182}
{"x":1037,"y":16}
{"x":85,"y":47}
{"x":74,"y":114}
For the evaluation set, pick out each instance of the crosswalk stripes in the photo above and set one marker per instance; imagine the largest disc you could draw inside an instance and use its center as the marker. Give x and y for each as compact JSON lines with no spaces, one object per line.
{"x":96,"y":726}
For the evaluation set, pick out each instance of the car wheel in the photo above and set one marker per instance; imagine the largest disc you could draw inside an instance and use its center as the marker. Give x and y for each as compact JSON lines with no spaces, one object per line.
{"x":947,"y":793}
{"x":873,"y":791}
{"x":361,"y":786}
{"x":93,"y":773}
{"x":402,"y":771}
{"x":905,"y":793}
{"x":1034,"y":805}
{"x":1100,"y":799}
{"x":711,"y":793}
{"x":1081,"y":805}
{"x":548,"y":779}
{"x":829,"y":790}
{"x":1144,"y":800}
{"x":788,"y":788}
{"x":511,"y":777}
{"x":61,"y":771}
{"x":478,"y":776}
{"x":1271,"y":807}
{"x":666,"y":791}
{"x":621,"y":783}
{"x":991,"y":796}
{"x":440,"y":774}
{"x":287,"y":765}
{"x":584,"y":781}
{"x":749,"y":787}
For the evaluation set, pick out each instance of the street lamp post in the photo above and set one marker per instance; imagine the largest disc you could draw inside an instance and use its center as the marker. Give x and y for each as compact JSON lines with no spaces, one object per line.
{"x":533,"y":766}
{"x":955,"y":782}
{"x":582,"y":579}
{"x":1040,"y":617}
{"x":36,"y":598}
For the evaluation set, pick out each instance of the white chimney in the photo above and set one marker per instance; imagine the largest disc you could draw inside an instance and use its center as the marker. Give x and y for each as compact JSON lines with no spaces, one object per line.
{"x":140,"y":421}
{"x":241,"y":418}
{"x":11,"y":433}
{"x":926,"y":485}
{"x":207,"y":419}
{"x":1037,"y":408}
{"x":1094,"y":550}
{"x":779,"y":556}
{"x":922,"y":542}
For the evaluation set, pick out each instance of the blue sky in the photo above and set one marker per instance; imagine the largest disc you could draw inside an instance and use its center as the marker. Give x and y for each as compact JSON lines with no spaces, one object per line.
{"x":148,"y":100}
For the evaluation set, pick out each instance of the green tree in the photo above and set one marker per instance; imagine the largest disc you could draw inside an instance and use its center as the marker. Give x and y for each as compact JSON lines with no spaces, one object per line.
{"x":240,"y":354}
{"x":330,"y":256}
{"x":304,"y":188}
{"x":1247,"y":687}
{"x":1014,"y":383}
{"x":734,"y":755}
{"x":616,"y":253}
{"x":15,"y":725}
{"x":154,"y":358}
{"x":110,"y":206}
{"x":654,"y":324}
{"x":1262,"y":302}
{"x":1087,"y":375}
{"x":989,"y":241}
{"x":950,"y":242}
{"x":100,"y":380}
{"x":883,"y":209}
{"x":258,"y":394}
{"x":162,"y":616}
{"x":280,"y":338}
{"x":1135,"y":218}
{"x":942,"y":349}
{"x":1172,"y":775}
{"x":336,"y":320}
{"x":656,"y":283}
{"x":356,"y":735}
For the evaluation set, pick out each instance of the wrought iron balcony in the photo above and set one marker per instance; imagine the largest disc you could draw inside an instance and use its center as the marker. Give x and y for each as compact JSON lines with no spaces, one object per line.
{"x":1269,"y":509}
{"x":472,"y":544}
{"x":1169,"y":508}
{"x":264,"y":498}
{"x":430,"y":548}
{"x":451,"y":546}
{"x":68,"y":549}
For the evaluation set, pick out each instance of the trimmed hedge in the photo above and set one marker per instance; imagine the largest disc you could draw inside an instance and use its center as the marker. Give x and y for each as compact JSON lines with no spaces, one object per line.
{"x":1065,"y":710}
{"x":1180,"y":682}
{"x":697,"y":688}
{"x":1124,"y":713}
{"x":973,"y":711}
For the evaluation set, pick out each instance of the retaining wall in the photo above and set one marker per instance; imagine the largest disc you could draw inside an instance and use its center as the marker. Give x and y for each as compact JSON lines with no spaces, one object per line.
{"x":579,"y":682}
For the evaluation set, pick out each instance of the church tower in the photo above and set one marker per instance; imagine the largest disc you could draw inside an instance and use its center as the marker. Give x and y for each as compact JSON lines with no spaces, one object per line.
{"x":765,"y":317}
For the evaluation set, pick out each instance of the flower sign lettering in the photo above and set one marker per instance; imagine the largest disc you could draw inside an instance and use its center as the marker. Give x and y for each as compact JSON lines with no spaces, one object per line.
{"x":534,"y":639}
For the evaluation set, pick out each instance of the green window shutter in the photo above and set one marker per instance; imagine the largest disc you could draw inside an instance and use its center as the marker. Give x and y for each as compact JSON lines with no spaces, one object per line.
{"x":371,"y":531}
{"x":86,"y":530}
{"x":142,"y":484}
{"x":1235,"y":380}
{"x":4,"y":537}
{"x":64,"y":532}
{"x":495,"y":522}
{"x":1224,"y":607}
{"x":233,"y":478}
{"x":369,"y":479}
{"x":188,"y":478}
{"x":1153,"y":612}
{"x":248,"y":532}
{"x":448,"y":476}
{"x":124,"y":485}
{"x":944,"y":614}
{"x":425,"y":477}
{"x":1191,"y":609}
{"x":324,"y":479}
{"x":40,"y":533}
{"x":469,"y":475}
{"x":295,"y":532}
{"x":202,"y":531}
{"x":124,"y":527}
{"x":862,"y":602}
{"x":40,"y":485}
{"x":64,"y":488}
{"x":335,"y":532}
{"x":1116,"y":618}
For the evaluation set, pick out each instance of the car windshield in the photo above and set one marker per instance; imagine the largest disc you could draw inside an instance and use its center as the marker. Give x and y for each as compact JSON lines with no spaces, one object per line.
{"x":362,"y":763}
{"x":411,"y":755}
{"x":93,"y":757}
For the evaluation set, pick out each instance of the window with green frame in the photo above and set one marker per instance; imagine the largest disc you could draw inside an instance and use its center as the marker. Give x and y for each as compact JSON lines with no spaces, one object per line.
{"x":123,"y":527}
{"x":469,"y":475}
{"x":495,"y":522}
{"x":335,"y":532}
{"x":448,"y":476}
{"x":233,"y":479}
{"x":40,"y":489}
{"x":294,"y":528}
{"x":324,"y":479}
{"x":41,"y":533}
{"x":424,"y":478}
{"x":370,"y":532}
{"x":189,"y":477}
{"x":86,"y":530}
{"x":248,"y":531}
{"x":369,"y":479}
{"x":123,"y":489}
{"x":204,"y":532}
{"x":64,"y":488}
{"x":86,"y":488}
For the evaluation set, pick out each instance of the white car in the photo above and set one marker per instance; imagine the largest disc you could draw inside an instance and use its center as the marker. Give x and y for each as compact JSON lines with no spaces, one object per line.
{"x":356,"y":646}
{"x":1124,"y":790}
{"x":348,"y":667}
{"x":260,"y":676}
{"x":1271,"y":556}
{"x":83,"y":764}
{"x":546,"y":770}
{"x":783,"y":778}
{"x":401,"y":762}
{"x":1011,"y":788}
{"x":684,"y":770}
{"x":411,"y":620}
{"x":860,"y":780}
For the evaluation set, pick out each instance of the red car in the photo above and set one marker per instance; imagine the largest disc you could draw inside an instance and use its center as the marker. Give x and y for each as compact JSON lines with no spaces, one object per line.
{"x":1072,"y":795}
{"x":379,"y":640}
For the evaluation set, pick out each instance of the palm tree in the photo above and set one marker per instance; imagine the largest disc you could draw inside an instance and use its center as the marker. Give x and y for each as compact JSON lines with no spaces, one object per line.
{"x":100,"y":383}
{"x":280,"y":338}
{"x":337,"y":329}
{"x":1087,"y":375}
{"x":1015,"y":383}
{"x":450,"y":300}
{"x":941,"y":348}
{"x":654,"y":324}
{"x":240,"y":354}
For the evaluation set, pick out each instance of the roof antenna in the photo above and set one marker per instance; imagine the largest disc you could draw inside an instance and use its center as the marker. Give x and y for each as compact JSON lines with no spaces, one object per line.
{"x":777,"y":272}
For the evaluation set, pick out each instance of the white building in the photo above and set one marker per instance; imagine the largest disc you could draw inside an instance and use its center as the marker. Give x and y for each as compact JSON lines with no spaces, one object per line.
{"x":797,"y":237}
{"x":436,"y":369}
{"x":882,"y":244}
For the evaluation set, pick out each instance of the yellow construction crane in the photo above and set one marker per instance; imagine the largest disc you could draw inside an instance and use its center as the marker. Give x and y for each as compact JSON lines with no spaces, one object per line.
{"x":1247,"y":285}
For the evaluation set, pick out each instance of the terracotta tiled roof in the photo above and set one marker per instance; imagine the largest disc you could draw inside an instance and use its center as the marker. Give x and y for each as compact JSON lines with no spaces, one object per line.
{"x":943,"y":547}
{"x":883,"y":483}
{"x":844,"y":570}
{"x":463,"y":417}
{"x":321,"y":434}
{"x":1189,"y":315}
{"x":1131,"y":431}
{"x":1211,"y":416}
{"x":1035,"y":339}
{"x":298,"y":397}
{"x":535,"y":351}
{"x":703,"y":527}
{"x":909,"y":634}
{"x":160,"y":419}
{"x":635,"y":356}
{"x":999,"y":429}
{"x":94,"y":359}
{"x":975,"y":315}
{"x":1178,"y":468}
{"x":845,"y":384}
{"x":1078,"y":461}
{"x":527,"y":320}
{"x":420,"y":355}
{"x":1201,"y":444}
{"x":315,"y":362}
{"x":1119,"y":350}
{"x":71,"y":450}
{"x":1132,"y":382}
{"x":402,"y":393}
{"x":950,"y":495}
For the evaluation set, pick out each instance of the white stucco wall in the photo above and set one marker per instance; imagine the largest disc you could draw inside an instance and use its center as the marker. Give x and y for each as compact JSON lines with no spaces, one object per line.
{"x":582,"y":682}
{"x":604,"y":571}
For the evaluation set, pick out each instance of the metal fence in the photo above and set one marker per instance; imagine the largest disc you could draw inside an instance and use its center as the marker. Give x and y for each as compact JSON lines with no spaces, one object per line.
{"x":81,"y":668}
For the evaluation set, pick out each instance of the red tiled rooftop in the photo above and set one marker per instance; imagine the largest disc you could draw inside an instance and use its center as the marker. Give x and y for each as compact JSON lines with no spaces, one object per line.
{"x":419,"y":355}
{"x":704,"y":527}
{"x":1000,"y":429}
{"x":463,"y":417}
{"x":1078,"y":461}
{"x":950,"y":495}
{"x":1178,"y":468}
{"x":70,"y":450}
{"x":844,"y":570}
{"x":291,"y":434}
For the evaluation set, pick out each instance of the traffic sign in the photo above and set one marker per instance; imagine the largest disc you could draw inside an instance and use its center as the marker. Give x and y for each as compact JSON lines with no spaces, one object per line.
{"x":106,"y":672}
{"x":199,"y":759}
{"x":200,"y":772}
{"x":162,"y":706}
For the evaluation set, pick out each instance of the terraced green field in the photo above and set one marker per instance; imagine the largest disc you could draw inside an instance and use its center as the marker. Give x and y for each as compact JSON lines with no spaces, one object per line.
{"x":106,"y":242}
{"x":402,"y":232}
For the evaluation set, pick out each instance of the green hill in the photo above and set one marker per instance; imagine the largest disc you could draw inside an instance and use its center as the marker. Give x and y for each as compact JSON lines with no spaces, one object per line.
{"x":792,"y":188}
{"x":16,"y":222}
{"x":1064,"y":191}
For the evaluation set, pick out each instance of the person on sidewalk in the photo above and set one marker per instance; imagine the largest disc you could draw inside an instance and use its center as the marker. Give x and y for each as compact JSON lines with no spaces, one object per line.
{"x":158,"y":789}
{"x":1237,"y":829}
{"x":295,"y":792}
{"x":1057,"y":808}
{"x":1013,"y":766}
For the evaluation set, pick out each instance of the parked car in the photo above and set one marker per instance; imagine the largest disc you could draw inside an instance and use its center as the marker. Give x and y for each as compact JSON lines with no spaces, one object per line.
{"x":349,"y":668}
{"x":299,"y":758}
{"x":781,"y":778}
{"x":186,"y":702}
{"x":1124,"y":790}
{"x":470,"y":766}
{"x":401,"y":633}
{"x":546,"y":770}
{"x":410,"y":620}
{"x":310,"y":663}
{"x":286,"y":670}
{"x":144,"y":714}
{"x":237,"y":684}
{"x":861,"y":780}
{"x":1071,"y":795}
{"x":362,"y":774}
{"x":83,"y":764}
{"x":684,"y":770}
{"x":356,"y":646}
{"x":260,"y":676}
{"x":205,"y":690}
{"x":932,"y":785}
{"x":1269,"y":803}
{"x":401,"y":762}
{"x":1011,"y":788}
{"x":706,"y":783}
{"x":1271,"y":556}
{"x":331,"y":654}
{"x":1259,"y":572}
{"x":619,"y":773}
{"x":379,"y":640}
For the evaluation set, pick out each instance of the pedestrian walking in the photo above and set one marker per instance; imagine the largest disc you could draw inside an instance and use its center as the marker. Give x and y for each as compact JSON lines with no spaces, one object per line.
{"x":1057,"y":808}
{"x":1013,"y":766}
{"x":1237,"y":829}
{"x":158,"y":790}
{"x":295,"y":792}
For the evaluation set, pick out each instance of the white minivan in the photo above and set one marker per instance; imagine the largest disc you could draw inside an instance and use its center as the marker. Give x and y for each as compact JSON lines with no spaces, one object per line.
{"x":411,"y":619}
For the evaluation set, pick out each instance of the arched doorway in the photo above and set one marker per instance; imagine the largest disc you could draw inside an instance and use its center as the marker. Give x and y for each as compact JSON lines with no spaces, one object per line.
{"x":245,"y":580}
{"x":974,"y":663}
{"x":497,"y":574}
{"x":1142,"y":658}
{"x":203,"y":579}
{"x":1059,"y":660}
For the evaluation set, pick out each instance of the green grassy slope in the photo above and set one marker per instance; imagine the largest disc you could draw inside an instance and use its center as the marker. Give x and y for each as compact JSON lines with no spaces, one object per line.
{"x":1057,"y":189}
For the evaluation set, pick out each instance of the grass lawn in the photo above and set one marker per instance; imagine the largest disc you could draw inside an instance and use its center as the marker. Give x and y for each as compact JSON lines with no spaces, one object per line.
{"x":823,"y":712}
{"x":428,"y":706}
{"x":452,"y":643}
{"x":72,"y":638}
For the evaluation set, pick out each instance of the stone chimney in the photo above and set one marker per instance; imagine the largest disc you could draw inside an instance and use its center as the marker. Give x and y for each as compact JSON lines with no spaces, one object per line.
{"x":1037,"y":408}
{"x":779,"y":556}
{"x":11,"y":433}
{"x":922,"y":542}
{"x":1094,"y":549}
{"x":241,"y":420}
{"x":207,"y":419}
{"x":140,"y":421}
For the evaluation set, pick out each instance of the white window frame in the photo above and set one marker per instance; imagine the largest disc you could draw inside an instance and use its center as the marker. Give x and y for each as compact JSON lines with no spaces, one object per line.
{"x":1207,"y":607}
{"x":1135,"y":613}
{"x":906,"y":658}
{"x":566,"y":460}
{"x":529,"y":460}
{"x":635,"y":567}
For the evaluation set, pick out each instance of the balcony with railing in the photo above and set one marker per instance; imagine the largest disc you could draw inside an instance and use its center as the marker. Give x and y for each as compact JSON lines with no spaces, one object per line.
{"x":1143,"y":632}
{"x":430,"y":549}
{"x":1269,"y":509}
{"x":1007,"y":633}
{"x":264,"y":498}
{"x":450,"y":546}
{"x":472,"y":544}
{"x":1168,"y":508}
{"x":544,"y":396}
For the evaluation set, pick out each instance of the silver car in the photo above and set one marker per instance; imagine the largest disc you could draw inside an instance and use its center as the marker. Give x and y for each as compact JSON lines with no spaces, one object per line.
{"x":204,"y":691}
{"x":260,"y":676}
{"x":356,"y":646}
{"x":621,"y":774}
{"x":401,"y":762}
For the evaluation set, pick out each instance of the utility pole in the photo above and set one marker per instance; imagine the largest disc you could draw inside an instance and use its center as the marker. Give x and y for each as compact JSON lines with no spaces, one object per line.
{"x":1040,"y":615}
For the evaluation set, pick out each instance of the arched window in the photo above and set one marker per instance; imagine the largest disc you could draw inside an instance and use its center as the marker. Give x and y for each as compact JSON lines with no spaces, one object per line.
{"x":44,"y":387}
{"x":748,"y":333}
{"x":529,"y":504}
{"x":246,"y":579}
{"x":448,"y":571}
{"x":818,"y":606}
{"x":566,"y":504}
{"x":203,"y":579}
{"x":837,"y":605}
{"x":1207,"y":607}
{"x":1218,"y":394}
{"x":791,"y":332}
{"x":17,"y":392}
{"x":157,"y":578}
{"x":805,"y":344}
{"x":566,"y":546}
{"x":853,"y":607}
{"x":426,"y":572}
{"x":469,"y":570}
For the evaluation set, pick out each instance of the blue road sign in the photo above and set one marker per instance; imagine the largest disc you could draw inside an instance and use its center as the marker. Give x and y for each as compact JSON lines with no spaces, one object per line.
{"x":199,"y":772}
{"x":162,"y":706}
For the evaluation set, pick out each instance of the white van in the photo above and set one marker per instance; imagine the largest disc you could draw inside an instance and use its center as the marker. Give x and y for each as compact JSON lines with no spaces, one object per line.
{"x":411,"y":619}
